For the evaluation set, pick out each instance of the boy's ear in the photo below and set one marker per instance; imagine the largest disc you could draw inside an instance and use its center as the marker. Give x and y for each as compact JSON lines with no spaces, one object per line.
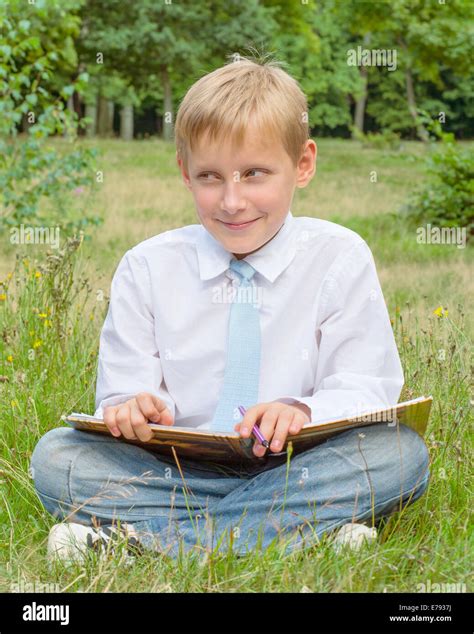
{"x":307,"y":164}
{"x":184,"y":174}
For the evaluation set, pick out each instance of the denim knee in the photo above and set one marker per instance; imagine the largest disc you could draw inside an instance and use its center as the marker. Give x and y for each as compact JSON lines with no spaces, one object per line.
{"x":415,"y":456}
{"x":412,"y":462}
{"x":50,"y":463}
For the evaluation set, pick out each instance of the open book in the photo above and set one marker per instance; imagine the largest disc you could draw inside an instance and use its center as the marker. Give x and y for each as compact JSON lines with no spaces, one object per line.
{"x":229,"y":447}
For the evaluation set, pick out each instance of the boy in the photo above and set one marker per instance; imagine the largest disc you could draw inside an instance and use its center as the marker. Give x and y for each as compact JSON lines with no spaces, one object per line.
{"x":312,"y":342}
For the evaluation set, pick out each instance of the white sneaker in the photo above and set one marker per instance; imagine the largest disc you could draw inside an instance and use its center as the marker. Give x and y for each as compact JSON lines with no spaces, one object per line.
{"x":353,"y":536}
{"x":70,"y":543}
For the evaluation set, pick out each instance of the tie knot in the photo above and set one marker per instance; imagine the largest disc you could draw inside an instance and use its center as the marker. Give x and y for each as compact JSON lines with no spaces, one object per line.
{"x":243,"y":268}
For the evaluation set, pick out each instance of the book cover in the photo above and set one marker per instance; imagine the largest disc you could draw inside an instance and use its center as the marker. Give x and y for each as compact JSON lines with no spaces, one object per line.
{"x":229,"y":447}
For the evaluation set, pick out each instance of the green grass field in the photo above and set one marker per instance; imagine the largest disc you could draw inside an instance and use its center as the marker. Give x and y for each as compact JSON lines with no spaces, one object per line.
{"x":52,"y":308}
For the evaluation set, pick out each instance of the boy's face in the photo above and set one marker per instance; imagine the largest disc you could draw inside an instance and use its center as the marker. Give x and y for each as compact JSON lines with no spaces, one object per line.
{"x":252,"y":184}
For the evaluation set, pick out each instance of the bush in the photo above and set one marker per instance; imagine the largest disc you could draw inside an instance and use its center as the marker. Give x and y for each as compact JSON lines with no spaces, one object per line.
{"x":387,"y":139}
{"x":446,"y":199}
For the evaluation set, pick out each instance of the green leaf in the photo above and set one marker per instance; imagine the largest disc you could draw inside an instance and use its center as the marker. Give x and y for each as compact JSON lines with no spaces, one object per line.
{"x":67,"y":91}
{"x":6,"y":50}
{"x":24,"y":25}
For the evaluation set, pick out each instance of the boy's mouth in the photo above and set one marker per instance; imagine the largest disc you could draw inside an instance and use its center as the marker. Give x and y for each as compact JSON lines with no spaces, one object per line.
{"x":237,"y":227}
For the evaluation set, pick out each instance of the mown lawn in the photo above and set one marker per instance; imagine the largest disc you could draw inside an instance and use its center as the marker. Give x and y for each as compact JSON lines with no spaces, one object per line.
{"x":50,"y":319}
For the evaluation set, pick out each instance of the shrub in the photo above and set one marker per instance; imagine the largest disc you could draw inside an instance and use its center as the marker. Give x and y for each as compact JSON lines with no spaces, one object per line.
{"x":446,"y":199}
{"x":387,"y":139}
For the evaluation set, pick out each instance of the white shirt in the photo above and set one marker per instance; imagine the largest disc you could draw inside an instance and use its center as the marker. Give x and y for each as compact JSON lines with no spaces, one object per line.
{"x":326,"y":335}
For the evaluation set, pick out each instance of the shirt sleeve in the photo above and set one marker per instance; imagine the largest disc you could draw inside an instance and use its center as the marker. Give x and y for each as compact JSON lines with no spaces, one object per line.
{"x":129,"y":359}
{"x":358,"y":367}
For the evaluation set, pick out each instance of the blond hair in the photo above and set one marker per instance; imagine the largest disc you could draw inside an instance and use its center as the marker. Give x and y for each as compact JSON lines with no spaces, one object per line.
{"x":223,"y":102}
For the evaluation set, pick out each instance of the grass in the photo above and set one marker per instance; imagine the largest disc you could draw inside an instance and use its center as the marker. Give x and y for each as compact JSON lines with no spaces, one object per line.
{"x":50,"y":322}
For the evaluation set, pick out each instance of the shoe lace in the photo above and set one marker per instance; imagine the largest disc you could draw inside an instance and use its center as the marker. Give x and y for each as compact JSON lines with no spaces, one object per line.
{"x":100,"y":543}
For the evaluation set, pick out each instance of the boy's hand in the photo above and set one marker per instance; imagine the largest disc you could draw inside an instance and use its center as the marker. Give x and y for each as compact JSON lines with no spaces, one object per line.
{"x":131,"y":418}
{"x":276,"y":420}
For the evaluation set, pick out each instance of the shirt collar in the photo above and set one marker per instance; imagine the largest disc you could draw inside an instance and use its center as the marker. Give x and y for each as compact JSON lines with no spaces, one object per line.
{"x":270,"y":260}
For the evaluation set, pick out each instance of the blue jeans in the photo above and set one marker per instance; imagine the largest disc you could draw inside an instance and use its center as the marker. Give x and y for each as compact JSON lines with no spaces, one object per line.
{"x":359,"y":475}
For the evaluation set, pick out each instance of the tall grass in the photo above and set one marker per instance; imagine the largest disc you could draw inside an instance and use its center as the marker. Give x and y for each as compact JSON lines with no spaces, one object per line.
{"x":50,"y":317}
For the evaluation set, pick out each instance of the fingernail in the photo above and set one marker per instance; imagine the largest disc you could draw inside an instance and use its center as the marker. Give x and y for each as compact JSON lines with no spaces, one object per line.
{"x":276,"y":444}
{"x":294,"y":428}
{"x":115,"y":432}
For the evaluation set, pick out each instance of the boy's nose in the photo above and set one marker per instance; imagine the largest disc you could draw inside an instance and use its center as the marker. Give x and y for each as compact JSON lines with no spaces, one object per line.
{"x":232,"y":201}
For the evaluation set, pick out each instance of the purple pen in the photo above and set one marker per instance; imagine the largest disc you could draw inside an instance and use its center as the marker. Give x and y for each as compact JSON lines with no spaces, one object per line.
{"x":256,"y":431}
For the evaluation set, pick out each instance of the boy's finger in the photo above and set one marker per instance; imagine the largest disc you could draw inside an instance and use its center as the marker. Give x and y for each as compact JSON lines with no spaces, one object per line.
{"x":165,"y":415}
{"x":122,"y":420}
{"x":297,"y":424}
{"x":281,"y":432}
{"x":268,"y":424}
{"x":109,"y":420}
{"x":250,"y":418}
{"x":148,"y":406}
{"x":259,"y":450}
{"x":139,"y":423}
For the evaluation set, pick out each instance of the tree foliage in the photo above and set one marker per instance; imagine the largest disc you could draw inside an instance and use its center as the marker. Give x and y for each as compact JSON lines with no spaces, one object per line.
{"x":36,"y":180}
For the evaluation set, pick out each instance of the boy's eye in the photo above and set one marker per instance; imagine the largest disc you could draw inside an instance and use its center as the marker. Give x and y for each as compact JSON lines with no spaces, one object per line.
{"x":256,"y":170}
{"x":205,"y":175}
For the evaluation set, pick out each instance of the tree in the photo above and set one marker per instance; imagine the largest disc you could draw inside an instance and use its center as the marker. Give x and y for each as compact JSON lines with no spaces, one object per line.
{"x":148,"y":44}
{"x":36,"y":51}
{"x":429,"y":39}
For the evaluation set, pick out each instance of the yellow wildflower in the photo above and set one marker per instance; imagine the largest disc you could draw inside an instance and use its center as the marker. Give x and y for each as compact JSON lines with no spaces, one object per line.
{"x":37,"y":343}
{"x":38,"y":274}
{"x":3,"y":297}
{"x":14,"y":403}
{"x":32,"y":332}
{"x":9,"y":358}
{"x":9,"y":276}
{"x":42,"y":315}
{"x":26,"y":262}
{"x":440,"y":312}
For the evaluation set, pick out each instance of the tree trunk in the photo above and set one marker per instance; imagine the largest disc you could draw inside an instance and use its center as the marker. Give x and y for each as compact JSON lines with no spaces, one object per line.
{"x":102,"y":115}
{"x":411,"y":99}
{"x":70,"y":107}
{"x":168,"y":107}
{"x":359,"y":113}
{"x":420,"y":129}
{"x":126,"y":123}
{"x":110,"y":119}
{"x":25,"y":124}
{"x":105,"y":116}
{"x":91,"y":112}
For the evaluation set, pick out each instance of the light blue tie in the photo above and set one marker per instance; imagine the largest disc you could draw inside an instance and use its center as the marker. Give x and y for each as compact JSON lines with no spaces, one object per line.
{"x":242,"y":371}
